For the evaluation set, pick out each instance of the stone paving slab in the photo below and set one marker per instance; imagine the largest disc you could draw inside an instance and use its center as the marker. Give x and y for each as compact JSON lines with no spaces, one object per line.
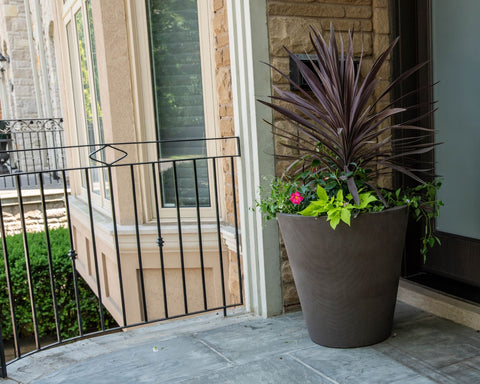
{"x":242,"y":348}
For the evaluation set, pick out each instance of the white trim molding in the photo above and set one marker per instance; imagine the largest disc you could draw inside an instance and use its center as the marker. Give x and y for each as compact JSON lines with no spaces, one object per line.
{"x":251,"y":80}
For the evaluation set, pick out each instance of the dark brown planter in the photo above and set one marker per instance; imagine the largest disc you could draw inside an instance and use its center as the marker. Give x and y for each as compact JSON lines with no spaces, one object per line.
{"x":347,"y":279}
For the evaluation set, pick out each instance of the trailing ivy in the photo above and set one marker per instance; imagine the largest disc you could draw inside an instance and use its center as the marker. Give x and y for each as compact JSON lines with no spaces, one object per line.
{"x":64,"y":288}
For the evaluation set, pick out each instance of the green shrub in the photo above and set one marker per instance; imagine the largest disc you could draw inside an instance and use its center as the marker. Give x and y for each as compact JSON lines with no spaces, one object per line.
{"x":64,"y":288}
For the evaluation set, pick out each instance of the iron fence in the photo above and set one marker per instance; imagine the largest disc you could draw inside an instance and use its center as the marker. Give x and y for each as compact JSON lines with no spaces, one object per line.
{"x":31,"y":145}
{"x":148,"y":257}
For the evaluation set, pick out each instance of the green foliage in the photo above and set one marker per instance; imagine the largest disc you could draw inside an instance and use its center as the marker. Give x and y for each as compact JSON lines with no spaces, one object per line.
{"x":64,"y":288}
{"x":326,"y":194}
{"x":276,"y":199}
{"x":338,"y":208}
{"x":424,"y":207}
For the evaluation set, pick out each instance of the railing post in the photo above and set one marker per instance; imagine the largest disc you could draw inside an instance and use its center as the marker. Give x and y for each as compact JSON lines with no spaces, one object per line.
{"x":3,"y":363}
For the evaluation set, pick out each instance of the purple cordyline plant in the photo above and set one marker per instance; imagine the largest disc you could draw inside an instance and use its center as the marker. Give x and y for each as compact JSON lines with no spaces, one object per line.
{"x":341,"y":128}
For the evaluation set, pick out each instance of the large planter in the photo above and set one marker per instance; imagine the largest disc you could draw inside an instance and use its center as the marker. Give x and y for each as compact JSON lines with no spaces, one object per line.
{"x":347,"y":279}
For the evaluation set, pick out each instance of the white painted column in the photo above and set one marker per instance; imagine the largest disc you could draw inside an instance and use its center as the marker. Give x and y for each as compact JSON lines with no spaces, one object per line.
{"x":247,"y":25}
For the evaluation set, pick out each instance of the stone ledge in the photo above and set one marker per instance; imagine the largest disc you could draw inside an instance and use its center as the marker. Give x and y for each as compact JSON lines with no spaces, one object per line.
{"x":439,"y":304}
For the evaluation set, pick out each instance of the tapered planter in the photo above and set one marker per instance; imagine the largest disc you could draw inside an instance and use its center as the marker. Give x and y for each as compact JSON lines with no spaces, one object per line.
{"x":347,"y":278}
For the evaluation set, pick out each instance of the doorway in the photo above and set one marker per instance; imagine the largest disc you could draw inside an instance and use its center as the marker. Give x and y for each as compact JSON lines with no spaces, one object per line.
{"x":444,"y":33}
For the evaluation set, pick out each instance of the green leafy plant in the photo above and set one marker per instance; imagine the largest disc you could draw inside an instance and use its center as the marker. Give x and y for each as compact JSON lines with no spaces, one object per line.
{"x":64,"y":288}
{"x":344,"y":141}
{"x":338,"y":208}
{"x":424,"y":206}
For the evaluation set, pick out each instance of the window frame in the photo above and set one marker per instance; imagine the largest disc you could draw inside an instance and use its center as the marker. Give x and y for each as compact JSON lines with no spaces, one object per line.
{"x":143,"y":88}
{"x":80,"y":135}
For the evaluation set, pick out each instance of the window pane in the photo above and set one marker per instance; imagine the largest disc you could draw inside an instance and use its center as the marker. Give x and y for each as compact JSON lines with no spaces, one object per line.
{"x":178,"y":95}
{"x":455,"y":68}
{"x":98,"y":104}
{"x":87,"y":97}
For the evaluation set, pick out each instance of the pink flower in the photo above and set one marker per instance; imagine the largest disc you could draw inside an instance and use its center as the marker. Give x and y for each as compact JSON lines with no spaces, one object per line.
{"x":296,"y":198}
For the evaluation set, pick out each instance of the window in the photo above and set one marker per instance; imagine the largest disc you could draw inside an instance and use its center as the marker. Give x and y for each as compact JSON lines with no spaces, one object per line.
{"x":176,"y":59}
{"x":85,"y":86}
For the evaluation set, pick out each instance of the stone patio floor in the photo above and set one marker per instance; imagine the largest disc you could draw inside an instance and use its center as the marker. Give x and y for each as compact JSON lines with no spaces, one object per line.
{"x":243,"y":348}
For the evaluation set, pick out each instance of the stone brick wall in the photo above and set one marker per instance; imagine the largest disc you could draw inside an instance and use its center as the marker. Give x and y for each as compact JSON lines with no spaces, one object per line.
{"x":18,"y":81}
{"x":34,"y":219}
{"x":223,"y":83}
{"x":224,"y":95}
{"x":288,"y":24}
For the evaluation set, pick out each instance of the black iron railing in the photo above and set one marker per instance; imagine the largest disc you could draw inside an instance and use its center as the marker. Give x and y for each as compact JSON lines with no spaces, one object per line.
{"x":145,"y":259}
{"x":31,"y":145}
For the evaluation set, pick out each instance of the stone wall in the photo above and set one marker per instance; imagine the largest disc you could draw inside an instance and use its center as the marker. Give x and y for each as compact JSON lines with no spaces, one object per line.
{"x":34,"y":218}
{"x":224,"y":94}
{"x":288,"y":24}
{"x":225,"y":119}
{"x":17,"y":80}
{"x":30,"y":82}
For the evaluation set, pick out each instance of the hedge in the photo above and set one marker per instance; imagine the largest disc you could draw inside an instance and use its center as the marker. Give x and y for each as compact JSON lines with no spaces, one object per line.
{"x":64,"y":288}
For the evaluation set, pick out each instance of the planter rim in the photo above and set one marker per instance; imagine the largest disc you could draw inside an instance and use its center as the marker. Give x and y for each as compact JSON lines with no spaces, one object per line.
{"x":399,"y":207}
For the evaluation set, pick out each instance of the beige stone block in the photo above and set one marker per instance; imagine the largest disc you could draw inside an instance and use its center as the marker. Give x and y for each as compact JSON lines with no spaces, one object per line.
{"x":364,"y":44}
{"x":281,"y":166}
{"x":282,"y":64}
{"x":222,"y":39}
{"x":309,"y":10}
{"x":287,"y":275}
{"x":384,"y":72}
{"x":380,"y":43}
{"x":358,"y":12}
{"x":380,"y":3}
{"x":381,"y":86}
{"x":218,"y":58}
{"x":229,"y":110}
{"x":217,"y":4}
{"x":291,"y":1}
{"x":291,"y":32}
{"x":345,"y":25}
{"x":224,"y":86}
{"x":226,"y":55}
{"x":381,"y":21}
{"x":351,"y":2}
{"x":10,"y":10}
{"x":225,"y":110}
{"x":367,"y":63}
{"x":219,"y":22}
{"x":385,"y":181}
{"x":383,"y":104}
{"x":290,"y":295}
{"x":229,"y":147}
{"x":226,"y":126}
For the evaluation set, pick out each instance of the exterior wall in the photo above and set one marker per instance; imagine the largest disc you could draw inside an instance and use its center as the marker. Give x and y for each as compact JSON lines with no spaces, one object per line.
{"x":41,"y":16}
{"x":288,"y":23}
{"x":30,"y":81}
{"x":224,"y":109}
{"x":21,"y":100}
